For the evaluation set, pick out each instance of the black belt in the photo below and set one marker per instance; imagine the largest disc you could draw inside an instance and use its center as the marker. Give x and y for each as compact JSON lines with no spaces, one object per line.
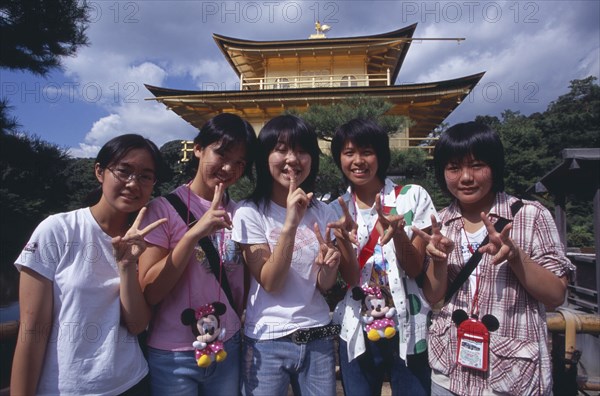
{"x":304,"y":336}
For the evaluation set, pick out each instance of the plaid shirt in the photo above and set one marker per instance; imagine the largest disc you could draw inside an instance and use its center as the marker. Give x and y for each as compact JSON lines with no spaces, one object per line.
{"x":519,"y":361}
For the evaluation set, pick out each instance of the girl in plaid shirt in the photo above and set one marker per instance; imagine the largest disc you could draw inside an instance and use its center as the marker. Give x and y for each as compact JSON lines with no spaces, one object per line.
{"x":522,"y":271}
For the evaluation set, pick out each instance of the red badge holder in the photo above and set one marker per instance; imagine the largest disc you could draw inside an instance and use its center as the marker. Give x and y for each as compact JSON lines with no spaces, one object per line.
{"x":473,"y":347}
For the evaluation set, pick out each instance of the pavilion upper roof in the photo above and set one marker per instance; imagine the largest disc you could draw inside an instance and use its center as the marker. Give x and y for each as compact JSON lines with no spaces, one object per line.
{"x":384,"y":51}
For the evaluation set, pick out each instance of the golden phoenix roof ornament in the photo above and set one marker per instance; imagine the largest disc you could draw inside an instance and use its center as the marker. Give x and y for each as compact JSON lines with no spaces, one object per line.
{"x":321,"y":29}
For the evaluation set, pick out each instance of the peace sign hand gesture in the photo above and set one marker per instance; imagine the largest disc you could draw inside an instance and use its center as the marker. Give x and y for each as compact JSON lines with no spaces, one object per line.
{"x":329,"y":255}
{"x":214,"y":218}
{"x":500,"y":246}
{"x":129,"y":247}
{"x":345,"y":227}
{"x":438,"y":246}
{"x":390,"y":224}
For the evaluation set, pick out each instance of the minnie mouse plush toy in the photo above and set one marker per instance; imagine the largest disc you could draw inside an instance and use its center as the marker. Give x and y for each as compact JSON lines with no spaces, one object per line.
{"x":205,"y":326}
{"x":378,"y":314}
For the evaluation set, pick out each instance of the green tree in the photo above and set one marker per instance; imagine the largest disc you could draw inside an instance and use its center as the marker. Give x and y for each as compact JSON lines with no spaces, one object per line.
{"x":7,"y":123}
{"x":329,"y":180}
{"x":33,"y":186}
{"x":573,"y":120}
{"x":326,"y":118}
{"x":36,"y":34}
{"x":80,"y":181}
{"x":525,"y":152}
{"x":181,"y":172}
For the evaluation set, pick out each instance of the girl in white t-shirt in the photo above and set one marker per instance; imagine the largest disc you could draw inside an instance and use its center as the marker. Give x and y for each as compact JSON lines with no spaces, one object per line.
{"x":81,"y":303}
{"x":288,"y":335}
{"x":177,"y":275}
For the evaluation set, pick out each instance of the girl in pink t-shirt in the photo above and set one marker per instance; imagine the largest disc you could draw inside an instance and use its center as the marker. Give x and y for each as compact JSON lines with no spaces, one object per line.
{"x":176,"y":274}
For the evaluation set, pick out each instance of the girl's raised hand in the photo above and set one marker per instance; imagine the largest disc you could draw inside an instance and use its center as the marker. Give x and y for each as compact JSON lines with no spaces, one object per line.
{"x":329,"y":256}
{"x":389,"y":223}
{"x":297,"y":202}
{"x":214,"y":218}
{"x":129,"y":247}
{"x":438,"y":246}
{"x":345,"y":227}
{"x":500,"y":246}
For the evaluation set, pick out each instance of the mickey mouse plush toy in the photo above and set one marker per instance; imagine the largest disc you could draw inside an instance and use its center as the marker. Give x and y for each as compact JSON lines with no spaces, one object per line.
{"x":205,"y":325}
{"x":378,"y":313}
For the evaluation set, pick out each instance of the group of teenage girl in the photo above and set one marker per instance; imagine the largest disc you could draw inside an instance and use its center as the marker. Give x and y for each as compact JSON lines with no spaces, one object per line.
{"x":231,"y":294}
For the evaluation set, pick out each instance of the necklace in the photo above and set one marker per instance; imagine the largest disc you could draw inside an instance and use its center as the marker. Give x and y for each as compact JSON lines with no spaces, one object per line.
{"x":469,"y":245}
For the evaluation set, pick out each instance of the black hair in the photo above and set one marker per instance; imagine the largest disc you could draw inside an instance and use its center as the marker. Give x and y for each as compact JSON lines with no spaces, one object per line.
{"x":466,"y":139}
{"x":363,"y":133}
{"x":295,"y":132}
{"x":230,"y":130}
{"x":115,"y":149}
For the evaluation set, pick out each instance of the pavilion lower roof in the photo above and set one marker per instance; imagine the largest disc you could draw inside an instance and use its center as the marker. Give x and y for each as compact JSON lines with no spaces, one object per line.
{"x":426,"y":104}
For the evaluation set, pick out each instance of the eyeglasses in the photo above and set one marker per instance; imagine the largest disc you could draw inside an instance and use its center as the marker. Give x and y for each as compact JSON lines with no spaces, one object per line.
{"x":125,"y":176}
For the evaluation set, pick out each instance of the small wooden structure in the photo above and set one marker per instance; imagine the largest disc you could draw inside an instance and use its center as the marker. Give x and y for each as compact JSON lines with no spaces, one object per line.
{"x":578,"y":175}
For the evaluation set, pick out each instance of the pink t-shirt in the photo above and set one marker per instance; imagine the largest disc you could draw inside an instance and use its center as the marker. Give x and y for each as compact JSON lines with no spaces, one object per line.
{"x":197,"y":285}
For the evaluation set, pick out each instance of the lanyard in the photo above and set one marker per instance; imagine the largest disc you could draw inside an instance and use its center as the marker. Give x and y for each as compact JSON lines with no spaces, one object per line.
{"x":475,"y":303}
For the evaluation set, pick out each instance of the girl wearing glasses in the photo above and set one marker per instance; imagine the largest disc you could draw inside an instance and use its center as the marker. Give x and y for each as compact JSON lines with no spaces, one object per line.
{"x":81,"y":303}
{"x":177,"y":274}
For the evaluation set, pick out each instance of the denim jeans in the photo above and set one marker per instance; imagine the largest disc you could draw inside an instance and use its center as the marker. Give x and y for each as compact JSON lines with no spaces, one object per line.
{"x":365,"y":374}
{"x":177,"y":373}
{"x":270,"y":366}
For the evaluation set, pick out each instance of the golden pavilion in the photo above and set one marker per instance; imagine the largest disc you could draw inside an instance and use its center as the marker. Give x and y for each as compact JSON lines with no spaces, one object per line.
{"x":295,"y":74}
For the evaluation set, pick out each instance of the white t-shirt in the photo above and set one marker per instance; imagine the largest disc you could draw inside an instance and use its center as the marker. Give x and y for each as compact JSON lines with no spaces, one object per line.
{"x":89,"y":351}
{"x":469,"y":244}
{"x":299,"y":304}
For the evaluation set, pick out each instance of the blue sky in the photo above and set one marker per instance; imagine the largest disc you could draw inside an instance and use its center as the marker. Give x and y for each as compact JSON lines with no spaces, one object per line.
{"x":530,"y":51}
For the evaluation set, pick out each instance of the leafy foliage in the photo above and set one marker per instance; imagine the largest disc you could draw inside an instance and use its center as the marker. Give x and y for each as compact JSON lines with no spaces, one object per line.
{"x":573,"y":120}
{"x":33,"y":187}
{"x":7,"y":123}
{"x":330,"y":180}
{"x":37,"y":34}
{"x":181,"y":172}
{"x":326,"y":119}
{"x":80,"y":181}
{"x":524,"y":165}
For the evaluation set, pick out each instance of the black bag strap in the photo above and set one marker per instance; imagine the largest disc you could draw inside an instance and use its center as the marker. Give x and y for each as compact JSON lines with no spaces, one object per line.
{"x":205,"y":243}
{"x":466,"y":271}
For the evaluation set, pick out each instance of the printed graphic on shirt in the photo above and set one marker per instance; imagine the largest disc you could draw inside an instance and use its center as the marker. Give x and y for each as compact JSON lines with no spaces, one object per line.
{"x":229,"y":252}
{"x":304,"y":249}
{"x":379,"y":275}
{"x":31,"y":247}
